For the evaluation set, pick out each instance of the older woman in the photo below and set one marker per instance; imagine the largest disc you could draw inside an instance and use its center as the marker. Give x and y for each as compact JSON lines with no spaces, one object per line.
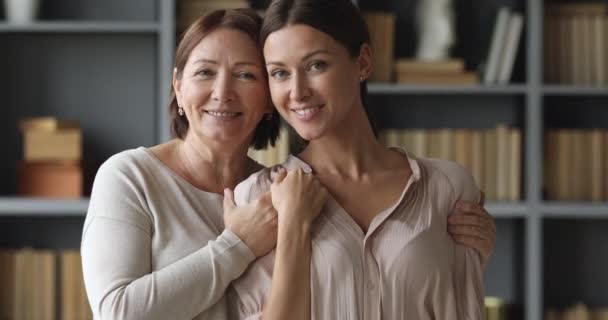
{"x":160,"y":240}
{"x":155,"y":244}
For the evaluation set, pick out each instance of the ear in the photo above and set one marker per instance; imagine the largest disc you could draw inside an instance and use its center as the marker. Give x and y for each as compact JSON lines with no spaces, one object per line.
{"x":366,"y":61}
{"x":177,"y":84}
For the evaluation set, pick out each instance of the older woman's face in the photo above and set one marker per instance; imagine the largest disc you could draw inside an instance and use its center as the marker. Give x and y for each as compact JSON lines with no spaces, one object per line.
{"x":222,"y":88}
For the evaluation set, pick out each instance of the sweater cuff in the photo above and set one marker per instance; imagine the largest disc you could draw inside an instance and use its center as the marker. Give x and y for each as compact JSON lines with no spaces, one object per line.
{"x":237,"y":252}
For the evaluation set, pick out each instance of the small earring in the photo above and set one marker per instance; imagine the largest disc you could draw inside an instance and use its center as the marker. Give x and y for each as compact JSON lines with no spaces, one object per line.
{"x":269,"y":116}
{"x":361,"y":79}
{"x":180,"y":111}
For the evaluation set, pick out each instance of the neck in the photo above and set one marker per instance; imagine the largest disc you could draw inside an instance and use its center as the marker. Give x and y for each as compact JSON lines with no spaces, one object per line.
{"x":213,"y":166}
{"x":350,"y":151}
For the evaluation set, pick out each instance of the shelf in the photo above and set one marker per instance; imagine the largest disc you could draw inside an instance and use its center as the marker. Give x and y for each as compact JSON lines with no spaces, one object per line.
{"x":391,"y":88}
{"x":571,"y":90}
{"x":19,"y":206}
{"x":575,"y":209}
{"x":507,"y":209}
{"x":80,"y":27}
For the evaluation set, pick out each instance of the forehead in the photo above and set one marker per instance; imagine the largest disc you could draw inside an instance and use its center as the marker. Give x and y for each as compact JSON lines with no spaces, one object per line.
{"x":297,"y":40}
{"x":226,"y":43}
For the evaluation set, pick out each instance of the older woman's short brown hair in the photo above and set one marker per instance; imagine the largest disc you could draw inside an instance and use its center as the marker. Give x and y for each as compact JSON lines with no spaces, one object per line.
{"x":244,"y":20}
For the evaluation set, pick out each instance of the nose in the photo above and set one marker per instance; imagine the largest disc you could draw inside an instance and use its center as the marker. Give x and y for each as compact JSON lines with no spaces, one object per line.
{"x":222,"y":88}
{"x":300,"y":88}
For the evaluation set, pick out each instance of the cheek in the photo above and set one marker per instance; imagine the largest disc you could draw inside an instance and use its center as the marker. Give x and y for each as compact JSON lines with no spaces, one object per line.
{"x":279,"y":95}
{"x":256,"y":98}
{"x":194,"y":92}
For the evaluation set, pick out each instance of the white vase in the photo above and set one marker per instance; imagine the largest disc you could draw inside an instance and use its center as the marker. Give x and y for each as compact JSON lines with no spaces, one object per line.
{"x":21,"y":11}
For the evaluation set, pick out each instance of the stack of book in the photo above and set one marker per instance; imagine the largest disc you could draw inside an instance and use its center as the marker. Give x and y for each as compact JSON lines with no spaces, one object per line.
{"x":503,"y":47}
{"x":492,"y":156}
{"x":273,"y":155}
{"x":190,"y":10}
{"x":382,"y":33}
{"x":577,"y":312}
{"x":29,"y":286}
{"x":575,"y":164}
{"x":52,"y":153}
{"x":449,"y":72}
{"x":576,"y":43}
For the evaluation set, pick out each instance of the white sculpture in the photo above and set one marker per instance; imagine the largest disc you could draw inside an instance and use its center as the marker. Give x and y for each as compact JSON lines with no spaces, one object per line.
{"x":435,"y":29}
{"x":21,"y":11}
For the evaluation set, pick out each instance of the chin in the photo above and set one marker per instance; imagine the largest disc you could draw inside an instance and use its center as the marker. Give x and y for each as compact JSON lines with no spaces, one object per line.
{"x":310,"y":135}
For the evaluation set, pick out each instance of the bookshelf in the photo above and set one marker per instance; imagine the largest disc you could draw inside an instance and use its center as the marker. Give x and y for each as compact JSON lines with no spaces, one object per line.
{"x":108,"y":65}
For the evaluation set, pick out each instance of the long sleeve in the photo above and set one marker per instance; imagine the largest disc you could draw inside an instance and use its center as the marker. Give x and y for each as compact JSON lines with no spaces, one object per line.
{"x":117,"y":258}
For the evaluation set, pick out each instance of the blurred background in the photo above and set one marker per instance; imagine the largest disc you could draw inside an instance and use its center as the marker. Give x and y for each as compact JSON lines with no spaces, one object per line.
{"x":514,"y":90}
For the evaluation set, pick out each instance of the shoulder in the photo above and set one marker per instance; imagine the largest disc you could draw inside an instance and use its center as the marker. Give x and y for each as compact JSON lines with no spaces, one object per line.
{"x":256,"y":184}
{"x":454,"y":175}
{"x":125,"y":161}
{"x":126,"y":173}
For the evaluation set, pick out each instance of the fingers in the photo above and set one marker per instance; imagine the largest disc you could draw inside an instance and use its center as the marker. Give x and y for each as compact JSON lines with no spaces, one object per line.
{"x":469,"y":208}
{"x":471,"y":220}
{"x":280,"y":176}
{"x":470,"y":231}
{"x":229,"y":199}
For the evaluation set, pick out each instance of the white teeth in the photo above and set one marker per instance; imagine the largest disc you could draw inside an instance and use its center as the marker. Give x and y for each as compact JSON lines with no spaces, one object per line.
{"x":222,"y":114}
{"x":306,"y":111}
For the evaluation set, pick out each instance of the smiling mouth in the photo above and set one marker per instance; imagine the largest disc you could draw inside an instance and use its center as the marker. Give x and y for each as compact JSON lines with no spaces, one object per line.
{"x":222,"y":114}
{"x":307,"y":111}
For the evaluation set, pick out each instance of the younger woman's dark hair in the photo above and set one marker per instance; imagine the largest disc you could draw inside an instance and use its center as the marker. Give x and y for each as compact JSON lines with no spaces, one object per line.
{"x":340,"y":19}
{"x":246,"y":21}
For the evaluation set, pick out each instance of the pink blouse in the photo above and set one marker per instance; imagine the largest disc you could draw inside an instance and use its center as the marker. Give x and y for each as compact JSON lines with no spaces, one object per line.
{"x":405,"y":267}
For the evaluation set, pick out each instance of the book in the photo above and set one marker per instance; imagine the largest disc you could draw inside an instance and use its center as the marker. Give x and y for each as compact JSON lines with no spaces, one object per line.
{"x":465,"y":78}
{"x":596,"y":165}
{"x":515,"y":165}
{"x":382,"y":36}
{"x":490,"y":163}
{"x":451,"y":66}
{"x":511,"y":47}
{"x":496,"y":47}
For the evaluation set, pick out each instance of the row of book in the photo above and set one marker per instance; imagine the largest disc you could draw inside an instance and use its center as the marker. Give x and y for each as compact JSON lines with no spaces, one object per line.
{"x":577,"y":312}
{"x":273,"y":155}
{"x":575,"y":166}
{"x":493,"y":156}
{"x":41,"y":284}
{"x":576,"y":43}
{"x":52,"y":152}
{"x":190,"y":10}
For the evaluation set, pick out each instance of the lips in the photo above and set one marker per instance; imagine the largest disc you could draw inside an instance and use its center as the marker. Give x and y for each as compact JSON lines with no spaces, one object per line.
{"x":307,"y":113}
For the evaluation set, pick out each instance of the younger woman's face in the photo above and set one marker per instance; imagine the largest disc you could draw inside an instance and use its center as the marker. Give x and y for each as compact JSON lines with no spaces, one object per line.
{"x":314,"y":82}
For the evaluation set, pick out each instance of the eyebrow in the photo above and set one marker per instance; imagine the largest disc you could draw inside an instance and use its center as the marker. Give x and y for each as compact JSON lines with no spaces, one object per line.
{"x":303,"y":58}
{"x":236,"y":64}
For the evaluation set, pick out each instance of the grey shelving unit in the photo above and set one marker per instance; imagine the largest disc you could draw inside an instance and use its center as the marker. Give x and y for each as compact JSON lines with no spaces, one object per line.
{"x":108,"y":64}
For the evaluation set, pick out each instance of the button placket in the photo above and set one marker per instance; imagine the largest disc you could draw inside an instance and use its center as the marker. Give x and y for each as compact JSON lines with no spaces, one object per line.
{"x":371,"y":283}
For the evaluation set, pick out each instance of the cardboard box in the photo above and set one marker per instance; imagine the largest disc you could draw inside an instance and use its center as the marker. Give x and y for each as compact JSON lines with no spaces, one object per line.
{"x":49,"y":179}
{"x":58,"y":145}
